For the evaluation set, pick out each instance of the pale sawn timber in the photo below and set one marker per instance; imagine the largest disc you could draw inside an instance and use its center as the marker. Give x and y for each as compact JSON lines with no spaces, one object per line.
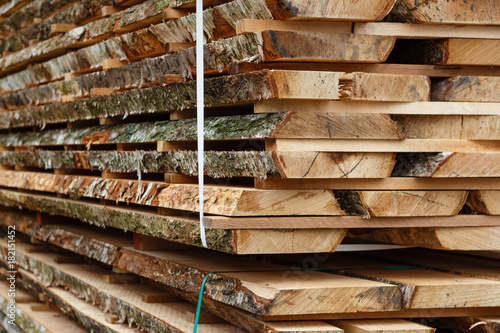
{"x":453,"y":239}
{"x":450,"y":51}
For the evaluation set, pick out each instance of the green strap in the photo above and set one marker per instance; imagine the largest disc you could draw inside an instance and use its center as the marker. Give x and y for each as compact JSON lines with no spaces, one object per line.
{"x":202,"y":289}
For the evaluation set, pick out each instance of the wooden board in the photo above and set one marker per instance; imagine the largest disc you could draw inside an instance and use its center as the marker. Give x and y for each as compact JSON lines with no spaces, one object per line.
{"x":463,"y":239}
{"x":351,"y":222}
{"x":448,"y":261}
{"x":385,"y":184}
{"x":382,"y":326}
{"x":179,"y":317}
{"x":347,"y":11}
{"x":438,"y":165}
{"x":409,"y":145}
{"x":415,"y":108}
{"x":467,"y":89}
{"x":485,"y":202}
{"x":481,"y":12}
{"x":220,"y":164}
{"x":248,"y":25}
{"x":267,"y":85}
{"x":421,"y":287}
{"x":178,"y":229}
{"x":413,"y":203}
{"x":163,"y":258}
{"x":260,"y":287}
{"x":231,"y":201}
{"x":124,"y":299}
{"x":426,"y":31}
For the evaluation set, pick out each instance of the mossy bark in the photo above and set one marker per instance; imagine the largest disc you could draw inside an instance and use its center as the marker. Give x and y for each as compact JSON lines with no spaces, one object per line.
{"x":218,"y":55}
{"x":128,"y":313}
{"x":217,"y":164}
{"x":181,"y":230}
{"x":254,"y":126}
{"x":90,"y":31}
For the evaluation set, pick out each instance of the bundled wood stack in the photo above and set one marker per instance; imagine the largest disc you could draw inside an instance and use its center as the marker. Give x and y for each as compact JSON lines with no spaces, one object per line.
{"x":370,"y":120}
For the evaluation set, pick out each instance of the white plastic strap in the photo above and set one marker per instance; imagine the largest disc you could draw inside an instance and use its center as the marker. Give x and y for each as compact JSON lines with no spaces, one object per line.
{"x":200,"y":104}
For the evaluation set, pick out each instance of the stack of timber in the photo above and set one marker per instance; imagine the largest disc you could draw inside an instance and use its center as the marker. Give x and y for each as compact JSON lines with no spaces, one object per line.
{"x":330,"y":126}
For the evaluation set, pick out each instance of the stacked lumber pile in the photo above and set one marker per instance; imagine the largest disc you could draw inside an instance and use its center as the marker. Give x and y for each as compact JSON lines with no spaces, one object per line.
{"x":330,"y":126}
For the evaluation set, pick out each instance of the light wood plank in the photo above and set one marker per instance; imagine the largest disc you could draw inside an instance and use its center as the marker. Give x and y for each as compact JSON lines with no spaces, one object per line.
{"x":425,"y":31}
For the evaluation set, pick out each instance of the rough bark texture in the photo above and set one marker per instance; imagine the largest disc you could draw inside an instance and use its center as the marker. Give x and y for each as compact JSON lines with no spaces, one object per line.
{"x":180,"y":230}
{"x":230,"y":201}
{"x":454,"y":239}
{"x":54,"y":275}
{"x":217,"y":164}
{"x":418,"y":164}
{"x":22,"y":320}
{"x":25,"y":16}
{"x":433,"y":52}
{"x":254,"y":126}
{"x":174,"y":96}
{"x":39,"y":31}
{"x":90,"y":31}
